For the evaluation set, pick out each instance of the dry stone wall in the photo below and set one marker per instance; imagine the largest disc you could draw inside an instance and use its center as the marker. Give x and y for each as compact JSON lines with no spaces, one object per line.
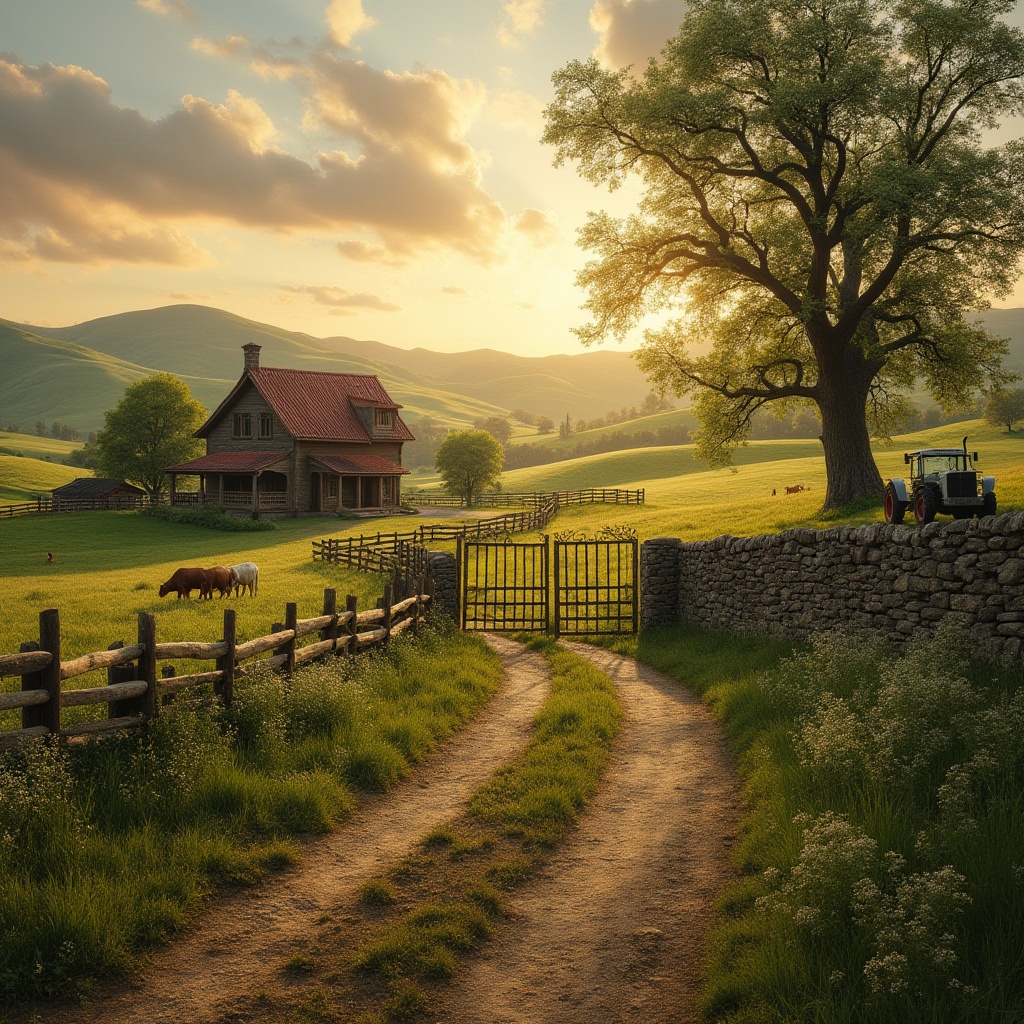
{"x":900,"y":580}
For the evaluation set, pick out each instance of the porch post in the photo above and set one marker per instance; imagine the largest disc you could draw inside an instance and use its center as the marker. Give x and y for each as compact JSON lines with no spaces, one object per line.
{"x":359,"y":492}
{"x":174,"y":480}
{"x":255,"y":496}
{"x":202,"y":488}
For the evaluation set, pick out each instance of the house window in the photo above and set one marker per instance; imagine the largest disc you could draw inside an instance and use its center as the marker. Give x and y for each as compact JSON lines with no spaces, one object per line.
{"x":382,"y":418}
{"x":242,"y":425}
{"x":266,"y":425}
{"x":332,"y":487}
{"x":386,"y":482}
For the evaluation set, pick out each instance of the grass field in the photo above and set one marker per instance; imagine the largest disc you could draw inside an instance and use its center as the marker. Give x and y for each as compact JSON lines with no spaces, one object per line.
{"x":36,"y":447}
{"x":23,"y":479}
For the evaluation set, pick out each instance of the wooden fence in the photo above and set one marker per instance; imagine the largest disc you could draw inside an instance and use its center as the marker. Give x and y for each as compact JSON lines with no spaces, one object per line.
{"x":531,"y":499}
{"x":134,"y":689}
{"x":42,"y":505}
{"x":380,"y":552}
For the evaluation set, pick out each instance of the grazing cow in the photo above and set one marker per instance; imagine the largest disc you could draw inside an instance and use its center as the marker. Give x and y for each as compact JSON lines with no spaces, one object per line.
{"x":246,"y":576}
{"x":184,"y":581}
{"x":220,"y":579}
{"x":795,"y":489}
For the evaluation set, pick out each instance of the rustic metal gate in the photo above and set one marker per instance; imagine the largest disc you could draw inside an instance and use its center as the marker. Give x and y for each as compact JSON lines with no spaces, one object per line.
{"x":596,"y":586}
{"x":504,"y":585}
{"x":509,"y":586}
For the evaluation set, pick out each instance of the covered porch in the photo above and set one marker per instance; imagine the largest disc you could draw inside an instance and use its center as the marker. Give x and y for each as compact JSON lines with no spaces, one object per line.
{"x":243,"y":482}
{"x":354,"y":483}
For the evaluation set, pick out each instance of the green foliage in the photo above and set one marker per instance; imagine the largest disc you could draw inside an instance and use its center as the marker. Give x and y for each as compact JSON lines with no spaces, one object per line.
{"x":209,"y":518}
{"x":469,"y":461}
{"x":881,"y":851}
{"x":819,"y":209}
{"x":1005,"y":407}
{"x":108,"y":848}
{"x":150,"y":428}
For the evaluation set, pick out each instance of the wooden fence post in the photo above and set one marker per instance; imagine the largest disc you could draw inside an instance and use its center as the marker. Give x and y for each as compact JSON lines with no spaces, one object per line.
{"x":121,"y":674}
{"x":34,"y":714}
{"x":49,"y":677}
{"x":351,"y":606}
{"x":167,"y":672}
{"x":386,"y":606}
{"x":291,"y":619}
{"x":226,"y":663}
{"x":147,"y":662}
{"x":331,"y":608}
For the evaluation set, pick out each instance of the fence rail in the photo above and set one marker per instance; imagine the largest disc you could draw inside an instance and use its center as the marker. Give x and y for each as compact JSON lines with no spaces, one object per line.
{"x":531,"y":499}
{"x":42,"y":505}
{"x":379,"y":552}
{"x":134,"y":691}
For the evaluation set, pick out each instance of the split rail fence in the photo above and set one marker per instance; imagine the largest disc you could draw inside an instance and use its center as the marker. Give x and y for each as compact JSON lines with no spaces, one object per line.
{"x":43,"y":505}
{"x":533,"y":499}
{"x":134,"y":689}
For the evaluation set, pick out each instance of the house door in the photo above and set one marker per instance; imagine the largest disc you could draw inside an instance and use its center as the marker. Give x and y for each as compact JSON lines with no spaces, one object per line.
{"x":314,"y":492}
{"x":350,"y":491}
{"x":370,"y":491}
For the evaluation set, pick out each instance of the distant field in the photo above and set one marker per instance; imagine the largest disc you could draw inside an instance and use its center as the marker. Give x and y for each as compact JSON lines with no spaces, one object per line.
{"x":22,"y":479}
{"x":36,"y":447}
{"x":673,"y":418}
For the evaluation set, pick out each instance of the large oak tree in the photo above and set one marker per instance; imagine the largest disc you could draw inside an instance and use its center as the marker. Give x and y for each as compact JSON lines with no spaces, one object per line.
{"x":819,"y":210}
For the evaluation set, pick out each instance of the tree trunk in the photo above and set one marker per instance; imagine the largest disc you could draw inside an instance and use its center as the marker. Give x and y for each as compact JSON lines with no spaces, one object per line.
{"x":850,"y":468}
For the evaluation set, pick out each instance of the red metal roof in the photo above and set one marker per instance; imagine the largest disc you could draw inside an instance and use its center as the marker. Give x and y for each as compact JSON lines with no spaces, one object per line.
{"x":359,"y":465}
{"x":316,"y":404}
{"x":229,"y":462}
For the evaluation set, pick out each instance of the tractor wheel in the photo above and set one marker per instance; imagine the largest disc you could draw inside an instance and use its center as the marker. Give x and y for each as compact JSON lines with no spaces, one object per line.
{"x":895,"y":509}
{"x":988,"y":504}
{"x":925,"y":505}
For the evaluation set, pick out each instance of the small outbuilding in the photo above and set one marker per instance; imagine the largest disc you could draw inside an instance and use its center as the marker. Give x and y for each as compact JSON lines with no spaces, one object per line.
{"x":97,"y":492}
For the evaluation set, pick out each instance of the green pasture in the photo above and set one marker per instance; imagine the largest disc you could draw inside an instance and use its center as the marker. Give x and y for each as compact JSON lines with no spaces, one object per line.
{"x":35,"y":447}
{"x":23,"y":479}
{"x":672,"y":418}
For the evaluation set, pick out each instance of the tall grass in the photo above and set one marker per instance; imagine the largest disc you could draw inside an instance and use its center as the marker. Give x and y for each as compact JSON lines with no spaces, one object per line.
{"x":108,"y":848}
{"x":883,"y":853}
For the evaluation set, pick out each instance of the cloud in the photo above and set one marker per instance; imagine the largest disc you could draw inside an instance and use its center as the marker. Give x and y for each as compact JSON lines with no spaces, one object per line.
{"x":539,"y":227}
{"x":520,"y":18}
{"x":230,"y":46}
{"x":341,"y":300}
{"x":345,"y":20}
{"x":87,"y":180}
{"x":179,"y":8}
{"x":633,"y":31}
{"x":370,"y":252}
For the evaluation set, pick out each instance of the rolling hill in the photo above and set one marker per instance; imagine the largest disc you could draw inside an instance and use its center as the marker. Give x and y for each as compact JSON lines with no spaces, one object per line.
{"x":202,"y":345}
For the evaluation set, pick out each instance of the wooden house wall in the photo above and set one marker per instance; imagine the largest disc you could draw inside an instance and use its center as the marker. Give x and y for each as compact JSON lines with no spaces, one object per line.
{"x":251,"y":401}
{"x":391,"y":450}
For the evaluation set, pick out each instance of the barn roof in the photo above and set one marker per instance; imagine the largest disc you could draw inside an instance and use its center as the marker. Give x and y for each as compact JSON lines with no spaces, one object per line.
{"x":318,"y":405}
{"x":229,"y":462}
{"x":94,"y":487}
{"x":358,"y":465}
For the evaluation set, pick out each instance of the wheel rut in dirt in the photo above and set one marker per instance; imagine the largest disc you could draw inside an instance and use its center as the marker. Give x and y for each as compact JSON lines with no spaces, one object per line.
{"x":613,"y":930}
{"x":243,"y":940}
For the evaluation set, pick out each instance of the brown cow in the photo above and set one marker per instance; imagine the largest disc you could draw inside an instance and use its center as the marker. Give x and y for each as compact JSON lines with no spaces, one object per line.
{"x":184,"y":581}
{"x":220,"y":579}
{"x":795,"y":489}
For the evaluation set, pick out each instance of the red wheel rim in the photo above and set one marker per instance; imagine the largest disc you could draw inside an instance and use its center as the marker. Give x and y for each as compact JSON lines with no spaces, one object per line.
{"x":919,"y":507}
{"x":888,"y":505}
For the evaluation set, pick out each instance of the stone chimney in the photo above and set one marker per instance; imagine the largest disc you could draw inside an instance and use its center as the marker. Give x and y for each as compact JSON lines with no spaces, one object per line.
{"x":252,"y":356}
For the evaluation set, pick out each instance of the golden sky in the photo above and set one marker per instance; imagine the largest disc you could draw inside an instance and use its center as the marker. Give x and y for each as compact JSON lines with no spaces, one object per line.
{"x":369,"y":168}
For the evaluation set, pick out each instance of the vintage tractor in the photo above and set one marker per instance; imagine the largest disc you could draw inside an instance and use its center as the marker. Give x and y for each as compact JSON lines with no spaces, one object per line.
{"x":941,"y":480}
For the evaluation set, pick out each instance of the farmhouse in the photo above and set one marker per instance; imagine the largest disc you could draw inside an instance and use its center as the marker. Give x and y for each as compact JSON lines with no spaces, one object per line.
{"x":295,"y":441}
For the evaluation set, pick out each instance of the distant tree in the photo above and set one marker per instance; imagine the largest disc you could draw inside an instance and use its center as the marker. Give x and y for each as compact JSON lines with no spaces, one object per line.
{"x":1005,"y":407}
{"x":545,"y":424}
{"x":41,"y":428}
{"x":55,"y":428}
{"x":151,"y":428}
{"x":86,"y":457}
{"x":565,"y":427}
{"x":498,"y":427}
{"x":523,"y":416}
{"x":469,"y":461}
{"x":822,"y":203}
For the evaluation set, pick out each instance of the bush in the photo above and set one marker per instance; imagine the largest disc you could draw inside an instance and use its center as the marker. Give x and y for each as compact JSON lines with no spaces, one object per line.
{"x":210,"y":518}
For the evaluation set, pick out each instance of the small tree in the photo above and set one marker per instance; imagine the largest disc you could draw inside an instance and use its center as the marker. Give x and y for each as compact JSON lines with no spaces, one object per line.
{"x":498,"y":427}
{"x":1005,"y":407}
{"x":469,"y":461}
{"x":545,"y":424}
{"x":151,"y":428}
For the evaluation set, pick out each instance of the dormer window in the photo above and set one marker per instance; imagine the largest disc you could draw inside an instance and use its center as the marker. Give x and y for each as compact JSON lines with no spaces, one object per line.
{"x":383,"y":419}
{"x":241,"y":425}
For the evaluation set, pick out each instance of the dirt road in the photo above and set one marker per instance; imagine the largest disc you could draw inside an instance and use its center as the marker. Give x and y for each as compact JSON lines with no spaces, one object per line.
{"x":613,"y":930}
{"x":246,"y":938}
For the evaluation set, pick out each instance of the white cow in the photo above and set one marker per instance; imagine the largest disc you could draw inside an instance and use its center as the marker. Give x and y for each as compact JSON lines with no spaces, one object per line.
{"x":245,"y":575}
